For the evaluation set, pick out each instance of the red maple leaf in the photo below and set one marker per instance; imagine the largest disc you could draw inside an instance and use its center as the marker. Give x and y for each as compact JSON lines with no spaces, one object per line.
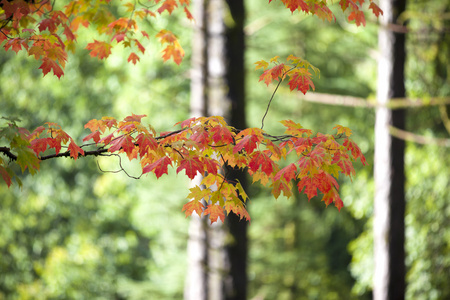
{"x":124,"y":142}
{"x":48,"y":24}
{"x":94,"y":135}
{"x":376,"y":10}
{"x":48,"y":65}
{"x":74,"y":150}
{"x":301,"y":80}
{"x":261,"y":159}
{"x":6,"y":176}
{"x":145,"y":143}
{"x":159,"y":167}
{"x":191,"y":165}
{"x":287,"y":173}
{"x":310,"y":184}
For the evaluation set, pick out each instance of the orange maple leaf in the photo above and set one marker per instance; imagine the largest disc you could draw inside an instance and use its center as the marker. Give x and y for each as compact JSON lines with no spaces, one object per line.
{"x":133,"y":58}
{"x":358,"y":16}
{"x":215,"y":212}
{"x":100,"y":49}
{"x":192,"y":206}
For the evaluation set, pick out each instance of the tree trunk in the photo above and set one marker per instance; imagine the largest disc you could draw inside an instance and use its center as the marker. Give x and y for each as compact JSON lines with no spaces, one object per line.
{"x":217,"y":270}
{"x":389,"y":206}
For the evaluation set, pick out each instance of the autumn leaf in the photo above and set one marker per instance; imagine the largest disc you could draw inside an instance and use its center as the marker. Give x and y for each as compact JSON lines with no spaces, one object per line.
{"x":310,"y":184}
{"x":215,"y":212}
{"x":99,"y":49}
{"x":48,"y":65}
{"x":192,"y":206}
{"x":287,"y":173}
{"x":94,"y":135}
{"x":74,"y":150}
{"x":375,"y":9}
{"x":358,"y":17}
{"x":301,"y":80}
{"x":124,"y":142}
{"x":191,"y":165}
{"x":159,"y":167}
{"x":343,"y":130}
{"x":168,"y":5}
{"x":5,"y":175}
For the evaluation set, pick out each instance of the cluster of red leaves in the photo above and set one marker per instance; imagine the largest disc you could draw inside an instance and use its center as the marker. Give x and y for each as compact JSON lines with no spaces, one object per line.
{"x":320,"y":9}
{"x":296,"y":69}
{"x":204,"y":146}
{"x":46,"y":33}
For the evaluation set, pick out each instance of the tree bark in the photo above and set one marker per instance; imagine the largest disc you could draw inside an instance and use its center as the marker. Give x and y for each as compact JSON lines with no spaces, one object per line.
{"x":389,"y":206}
{"x":217,"y":270}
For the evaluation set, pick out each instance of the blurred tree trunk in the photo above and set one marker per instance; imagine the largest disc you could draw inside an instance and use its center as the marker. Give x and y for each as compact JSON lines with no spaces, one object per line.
{"x":389,"y":206}
{"x":217,"y":270}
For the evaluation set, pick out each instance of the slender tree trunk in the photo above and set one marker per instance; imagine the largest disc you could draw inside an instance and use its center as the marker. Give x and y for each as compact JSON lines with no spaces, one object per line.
{"x":218,"y":271}
{"x":236,"y":283}
{"x":389,"y":206}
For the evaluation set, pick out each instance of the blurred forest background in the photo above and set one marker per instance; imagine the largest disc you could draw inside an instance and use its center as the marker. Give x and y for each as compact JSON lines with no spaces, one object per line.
{"x":74,"y":232}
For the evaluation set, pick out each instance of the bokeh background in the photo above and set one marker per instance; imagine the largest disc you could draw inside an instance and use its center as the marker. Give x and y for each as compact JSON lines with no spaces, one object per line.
{"x":74,"y":232}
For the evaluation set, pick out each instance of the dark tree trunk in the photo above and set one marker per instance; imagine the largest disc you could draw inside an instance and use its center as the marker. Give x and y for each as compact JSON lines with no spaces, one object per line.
{"x":389,"y":206}
{"x":236,"y":252}
{"x":218,"y":270}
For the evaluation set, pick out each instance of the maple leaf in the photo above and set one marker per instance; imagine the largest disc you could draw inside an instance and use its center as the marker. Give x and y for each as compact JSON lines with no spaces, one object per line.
{"x":27,"y":159}
{"x":48,"y":65}
{"x":295,"y":129}
{"x":272,"y":74}
{"x":188,"y":14}
{"x":94,"y":135}
{"x":333,"y":196}
{"x":358,"y":16}
{"x":191,"y":165}
{"x":39,"y":145}
{"x":376,"y":10}
{"x":6,"y":175}
{"x":100,"y":49}
{"x":168,"y":5}
{"x":215,"y":212}
{"x":15,"y":44}
{"x":175,"y":51}
{"x":159,"y":167}
{"x":74,"y":150}
{"x":261,"y":159}
{"x":134,"y":118}
{"x":345,"y":130}
{"x":222,"y":134}
{"x":47,"y":24}
{"x":124,"y":142}
{"x":287,"y":173}
{"x":249,"y":141}
{"x":301,"y":80}
{"x":192,"y":206}
{"x":310,"y":184}
{"x":261,"y":64}
{"x":145,"y":143}
{"x":133,"y":58}
{"x":355,"y":150}
{"x":237,"y":207}
{"x":281,"y":186}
